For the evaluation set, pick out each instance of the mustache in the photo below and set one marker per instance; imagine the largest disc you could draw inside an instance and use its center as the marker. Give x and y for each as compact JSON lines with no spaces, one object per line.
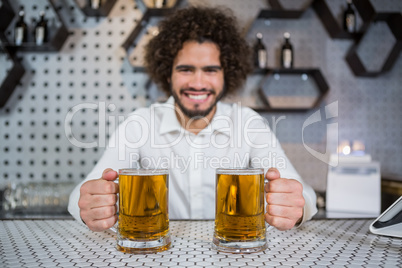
{"x":211,"y":91}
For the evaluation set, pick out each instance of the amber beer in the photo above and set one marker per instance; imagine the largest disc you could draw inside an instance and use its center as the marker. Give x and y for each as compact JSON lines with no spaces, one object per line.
{"x":239,"y":214}
{"x":143,"y":225}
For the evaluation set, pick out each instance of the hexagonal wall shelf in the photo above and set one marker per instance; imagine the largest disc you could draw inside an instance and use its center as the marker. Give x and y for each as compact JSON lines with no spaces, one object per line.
{"x":393,"y":21}
{"x":145,"y":29}
{"x":6,"y":15}
{"x":278,"y":11}
{"x":13,"y":72}
{"x":292,"y":89}
{"x":58,"y":33}
{"x":102,"y":11}
{"x":364,"y":9}
{"x":143,"y":32}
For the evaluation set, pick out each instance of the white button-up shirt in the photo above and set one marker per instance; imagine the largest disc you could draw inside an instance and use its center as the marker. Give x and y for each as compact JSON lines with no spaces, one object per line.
{"x":153,"y":137}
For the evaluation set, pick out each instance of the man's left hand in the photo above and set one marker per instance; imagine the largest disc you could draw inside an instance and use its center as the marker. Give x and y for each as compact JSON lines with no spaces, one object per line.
{"x":285,"y":201}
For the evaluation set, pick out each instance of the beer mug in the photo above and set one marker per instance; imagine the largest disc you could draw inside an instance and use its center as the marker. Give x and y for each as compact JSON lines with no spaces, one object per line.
{"x":239,"y":211}
{"x":143,"y":224}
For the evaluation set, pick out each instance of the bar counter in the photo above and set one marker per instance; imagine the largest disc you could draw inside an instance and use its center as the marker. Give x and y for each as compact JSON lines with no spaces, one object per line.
{"x":66,"y":243}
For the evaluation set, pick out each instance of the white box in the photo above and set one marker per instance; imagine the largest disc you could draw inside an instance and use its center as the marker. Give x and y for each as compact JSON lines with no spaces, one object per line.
{"x":354,"y":188}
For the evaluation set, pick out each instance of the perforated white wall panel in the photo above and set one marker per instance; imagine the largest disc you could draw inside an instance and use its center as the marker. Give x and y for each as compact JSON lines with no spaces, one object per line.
{"x":91,"y":80}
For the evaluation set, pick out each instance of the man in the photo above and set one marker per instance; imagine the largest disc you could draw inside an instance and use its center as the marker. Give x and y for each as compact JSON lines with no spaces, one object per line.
{"x":198,"y":57}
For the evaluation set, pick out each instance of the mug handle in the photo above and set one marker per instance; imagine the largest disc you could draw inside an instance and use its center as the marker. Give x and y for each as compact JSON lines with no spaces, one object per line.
{"x":114,"y":227}
{"x":267,"y":226}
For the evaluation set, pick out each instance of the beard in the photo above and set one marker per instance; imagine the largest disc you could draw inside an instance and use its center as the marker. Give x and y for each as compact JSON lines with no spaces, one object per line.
{"x":197,"y":113}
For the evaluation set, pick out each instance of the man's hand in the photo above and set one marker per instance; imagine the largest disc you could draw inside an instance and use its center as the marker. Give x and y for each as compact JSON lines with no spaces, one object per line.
{"x":285,"y":201}
{"x":97,"y":201}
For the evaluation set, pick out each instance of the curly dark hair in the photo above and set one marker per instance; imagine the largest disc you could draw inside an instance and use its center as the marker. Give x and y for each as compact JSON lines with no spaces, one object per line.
{"x":199,"y":24}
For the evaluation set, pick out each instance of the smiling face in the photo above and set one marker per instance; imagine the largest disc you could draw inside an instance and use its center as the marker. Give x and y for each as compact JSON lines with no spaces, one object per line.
{"x":197,"y":81}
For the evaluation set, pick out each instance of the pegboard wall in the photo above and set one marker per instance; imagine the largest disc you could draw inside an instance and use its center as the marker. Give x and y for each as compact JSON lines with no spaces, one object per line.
{"x":92,"y":82}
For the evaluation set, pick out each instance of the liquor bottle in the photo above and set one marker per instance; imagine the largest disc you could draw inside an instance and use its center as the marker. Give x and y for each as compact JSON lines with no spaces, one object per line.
{"x":21,"y":30}
{"x":349,"y":18}
{"x":260,"y":53}
{"x":160,"y":3}
{"x":41,"y":30}
{"x":94,"y":4}
{"x":287,"y":54}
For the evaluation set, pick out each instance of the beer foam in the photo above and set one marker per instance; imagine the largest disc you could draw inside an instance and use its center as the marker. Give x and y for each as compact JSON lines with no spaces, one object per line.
{"x":240,"y":171}
{"x":143,"y":172}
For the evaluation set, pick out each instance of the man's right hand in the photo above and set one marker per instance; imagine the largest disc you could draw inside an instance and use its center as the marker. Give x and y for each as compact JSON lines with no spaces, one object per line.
{"x":97,"y":201}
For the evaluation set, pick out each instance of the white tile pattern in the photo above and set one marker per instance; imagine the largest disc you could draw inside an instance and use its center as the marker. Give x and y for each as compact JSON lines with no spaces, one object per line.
{"x":322,"y":243}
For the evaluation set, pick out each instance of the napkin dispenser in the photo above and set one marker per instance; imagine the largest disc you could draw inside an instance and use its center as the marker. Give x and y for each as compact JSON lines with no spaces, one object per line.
{"x":354,"y":187}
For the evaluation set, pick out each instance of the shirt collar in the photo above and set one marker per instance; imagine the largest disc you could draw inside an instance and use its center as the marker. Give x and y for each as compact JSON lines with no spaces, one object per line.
{"x":170,"y":123}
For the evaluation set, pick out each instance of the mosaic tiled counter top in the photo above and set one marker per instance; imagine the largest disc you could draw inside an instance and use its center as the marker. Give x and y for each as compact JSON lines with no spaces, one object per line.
{"x":318,"y":243}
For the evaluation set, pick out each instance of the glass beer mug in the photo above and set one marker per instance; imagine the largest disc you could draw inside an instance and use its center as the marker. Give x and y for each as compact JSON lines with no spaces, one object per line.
{"x":143,"y":224}
{"x":239,"y":214}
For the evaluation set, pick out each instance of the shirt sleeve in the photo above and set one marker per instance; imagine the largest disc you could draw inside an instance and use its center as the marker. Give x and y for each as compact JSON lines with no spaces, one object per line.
{"x":266,"y":152}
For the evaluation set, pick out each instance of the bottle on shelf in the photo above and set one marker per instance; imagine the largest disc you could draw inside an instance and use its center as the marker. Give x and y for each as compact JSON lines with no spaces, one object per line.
{"x":41,"y":30}
{"x":287,"y":54}
{"x":349,"y":18}
{"x":160,"y":3}
{"x":94,"y":4}
{"x":260,"y":53}
{"x":20,"y":30}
